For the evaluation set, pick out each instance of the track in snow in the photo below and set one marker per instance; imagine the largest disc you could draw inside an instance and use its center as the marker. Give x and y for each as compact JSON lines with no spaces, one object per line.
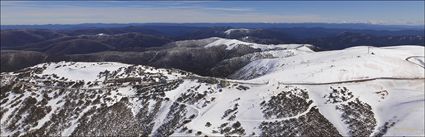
{"x":420,"y":61}
{"x":349,"y":81}
{"x":328,"y":83}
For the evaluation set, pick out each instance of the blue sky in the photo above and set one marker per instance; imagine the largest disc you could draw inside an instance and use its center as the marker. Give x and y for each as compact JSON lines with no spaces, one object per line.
{"x":67,"y":12}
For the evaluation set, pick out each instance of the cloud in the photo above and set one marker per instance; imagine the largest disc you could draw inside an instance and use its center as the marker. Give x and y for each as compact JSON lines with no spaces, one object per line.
{"x":59,"y":12}
{"x":175,"y":14}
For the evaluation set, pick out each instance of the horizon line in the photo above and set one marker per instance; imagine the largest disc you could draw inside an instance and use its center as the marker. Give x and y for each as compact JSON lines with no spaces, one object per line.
{"x":341,"y":23}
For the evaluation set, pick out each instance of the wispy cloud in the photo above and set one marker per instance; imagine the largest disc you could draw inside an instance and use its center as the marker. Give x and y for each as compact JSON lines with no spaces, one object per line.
{"x":131,"y":15}
{"x":33,"y":13}
{"x":67,"y":12}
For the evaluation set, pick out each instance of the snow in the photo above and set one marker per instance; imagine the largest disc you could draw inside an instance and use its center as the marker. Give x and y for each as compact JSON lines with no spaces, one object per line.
{"x":86,"y":71}
{"x":410,"y":115}
{"x":127,"y":91}
{"x":341,"y":65}
{"x":406,"y":97}
{"x":74,"y":123}
{"x":55,"y":105}
{"x":234,"y":43}
{"x":242,"y":30}
{"x":174,"y":94}
{"x":297,"y":66}
{"x":284,"y":53}
{"x":161,"y":116}
{"x":226,"y":100}
{"x":404,"y":104}
{"x":9,"y":113}
{"x":419,"y":60}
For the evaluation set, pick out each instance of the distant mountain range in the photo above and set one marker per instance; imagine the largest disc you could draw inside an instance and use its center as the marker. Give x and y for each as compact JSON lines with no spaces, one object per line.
{"x":202,"y":80}
{"x":361,"y":26}
{"x":182,"y":45}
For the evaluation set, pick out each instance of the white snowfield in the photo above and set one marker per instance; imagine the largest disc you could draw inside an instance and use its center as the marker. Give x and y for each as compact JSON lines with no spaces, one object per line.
{"x":241,"y":30}
{"x":401,"y":103}
{"x":340,"y":65}
{"x":87,"y":71}
{"x":234,"y":43}
{"x":404,"y":103}
{"x":231,"y":44}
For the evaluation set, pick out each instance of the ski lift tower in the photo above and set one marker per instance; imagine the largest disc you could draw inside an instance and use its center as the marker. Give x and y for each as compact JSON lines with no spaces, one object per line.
{"x":368,"y":49}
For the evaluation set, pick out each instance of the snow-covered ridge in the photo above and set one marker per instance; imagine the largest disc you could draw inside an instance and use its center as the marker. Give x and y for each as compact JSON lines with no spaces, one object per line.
{"x":234,"y":43}
{"x":115,"y":99}
{"x":340,"y":65}
{"x":87,"y":71}
{"x":241,"y":30}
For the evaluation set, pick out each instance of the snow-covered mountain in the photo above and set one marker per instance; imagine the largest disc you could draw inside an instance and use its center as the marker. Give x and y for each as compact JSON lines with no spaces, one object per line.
{"x":241,"y":30}
{"x":349,"y":92}
{"x":348,"y":64}
{"x":234,"y":43}
{"x":231,"y":44}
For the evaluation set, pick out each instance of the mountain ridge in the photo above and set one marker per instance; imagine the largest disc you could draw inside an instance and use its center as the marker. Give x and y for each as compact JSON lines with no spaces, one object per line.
{"x":108,"y":98}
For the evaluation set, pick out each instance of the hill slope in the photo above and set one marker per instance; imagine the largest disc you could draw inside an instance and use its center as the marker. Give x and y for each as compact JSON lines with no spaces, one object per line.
{"x":105,"y":98}
{"x":348,"y":64}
